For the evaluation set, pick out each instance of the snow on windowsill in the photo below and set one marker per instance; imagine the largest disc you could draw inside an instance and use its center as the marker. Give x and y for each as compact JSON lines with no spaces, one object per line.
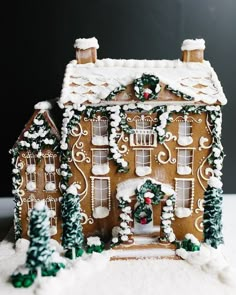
{"x":142,"y":171}
{"x":185,"y":140}
{"x":181,"y":212}
{"x":100,"y":169}
{"x":184,"y":170}
{"x":100,"y":212}
{"x":99,"y":140}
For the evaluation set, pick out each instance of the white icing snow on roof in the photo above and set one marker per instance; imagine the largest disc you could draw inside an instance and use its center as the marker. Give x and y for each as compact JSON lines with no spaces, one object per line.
{"x":193,"y":44}
{"x":84,"y":43}
{"x":43,"y":105}
{"x":93,"y":82}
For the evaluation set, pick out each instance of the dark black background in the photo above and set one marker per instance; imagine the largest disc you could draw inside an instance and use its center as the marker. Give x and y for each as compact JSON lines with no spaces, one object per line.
{"x":40,"y":45}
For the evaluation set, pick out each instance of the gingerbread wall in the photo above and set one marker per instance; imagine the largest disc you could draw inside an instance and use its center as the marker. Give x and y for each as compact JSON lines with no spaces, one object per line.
{"x":163,"y":170}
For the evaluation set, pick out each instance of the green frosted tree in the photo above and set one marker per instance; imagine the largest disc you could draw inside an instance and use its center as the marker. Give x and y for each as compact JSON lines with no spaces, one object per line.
{"x":72,"y":238}
{"x":39,"y":259}
{"x":39,"y":252}
{"x":212,"y":218}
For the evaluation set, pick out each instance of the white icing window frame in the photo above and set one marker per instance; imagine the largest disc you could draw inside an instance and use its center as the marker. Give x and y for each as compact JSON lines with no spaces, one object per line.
{"x":49,"y":177}
{"x":100,"y":168}
{"x":31,"y":177}
{"x":107,"y":198}
{"x":146,"y":164}
{"x":98,"y":133}
{"x":190,"y":163}
{"x":190,"y":198}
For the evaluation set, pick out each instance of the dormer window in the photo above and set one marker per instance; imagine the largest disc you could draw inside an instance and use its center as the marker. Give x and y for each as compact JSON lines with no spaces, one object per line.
{"x":31,"y":173}
{"x":185,"y":133}
{"x":100,"y":131}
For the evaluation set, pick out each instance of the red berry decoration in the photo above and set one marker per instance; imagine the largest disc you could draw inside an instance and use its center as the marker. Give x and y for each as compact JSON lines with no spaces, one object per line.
{"x":143,"y":220}
{"x":146,"y":95}
{"x":148,"y":201}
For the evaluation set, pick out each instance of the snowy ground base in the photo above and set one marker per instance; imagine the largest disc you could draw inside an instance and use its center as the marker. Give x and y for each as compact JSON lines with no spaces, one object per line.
{"x":96,"y":274}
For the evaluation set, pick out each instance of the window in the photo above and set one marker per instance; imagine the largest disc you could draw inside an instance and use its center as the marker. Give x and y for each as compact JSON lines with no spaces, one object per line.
{"x":99,"y":131}
{"x":185,"y":133}
{"x":50,"y":177}
{"x":143,"y":162}
{"x":101,"y":202}
{"x":30,"y":172}
{"x":143,"y":134}
{"x":185,"y":161}
{"x":184,"y":200}
{"x":100,"y":162}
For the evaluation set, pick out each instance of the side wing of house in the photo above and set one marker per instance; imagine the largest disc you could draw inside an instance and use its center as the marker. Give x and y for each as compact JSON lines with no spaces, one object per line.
{"x":35,"y":159}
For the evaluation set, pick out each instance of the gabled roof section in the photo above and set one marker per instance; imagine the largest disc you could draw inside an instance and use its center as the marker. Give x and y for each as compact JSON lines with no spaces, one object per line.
{"x":92,"y":83}
{"x":40,"y":132}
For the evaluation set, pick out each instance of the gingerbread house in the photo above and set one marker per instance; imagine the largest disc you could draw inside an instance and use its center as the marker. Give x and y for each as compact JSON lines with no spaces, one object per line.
{"x":141,"y":139}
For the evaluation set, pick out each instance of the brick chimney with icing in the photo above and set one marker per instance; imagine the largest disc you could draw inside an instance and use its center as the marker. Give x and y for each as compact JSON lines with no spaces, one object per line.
{"x":86,"y":50}
{"x":193,"y":50}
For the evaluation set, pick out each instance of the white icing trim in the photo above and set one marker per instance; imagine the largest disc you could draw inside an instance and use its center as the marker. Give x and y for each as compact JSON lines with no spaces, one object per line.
{"x":85,"y":43}
{"x":193,"y":44}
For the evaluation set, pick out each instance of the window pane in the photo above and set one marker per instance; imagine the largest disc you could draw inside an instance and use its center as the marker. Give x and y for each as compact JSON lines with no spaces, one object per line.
{"x":184,"y":157}
{"x":184,"y":129}
{"x":101,"y":193}
{"x":143,"y":124}
{"x":142,"y":158}
{"x":100,"y":157}
{"x":184,"y":193}
{"x":100,"y":128}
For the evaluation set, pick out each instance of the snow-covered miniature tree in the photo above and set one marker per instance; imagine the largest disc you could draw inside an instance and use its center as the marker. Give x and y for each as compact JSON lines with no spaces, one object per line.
{"x":39,"y":259}
{"x":72,"y":238}
{"x":212,"y":219}
{"x":39,"y":252}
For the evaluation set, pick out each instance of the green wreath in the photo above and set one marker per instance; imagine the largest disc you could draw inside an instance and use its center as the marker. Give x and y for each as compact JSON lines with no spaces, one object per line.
{"x":145,"y":88}
{"x":154,"y":188}
{"x":143,"y":214}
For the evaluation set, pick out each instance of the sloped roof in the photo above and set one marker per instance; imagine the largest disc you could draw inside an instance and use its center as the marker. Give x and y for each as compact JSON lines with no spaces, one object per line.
{"x":92,"y":83}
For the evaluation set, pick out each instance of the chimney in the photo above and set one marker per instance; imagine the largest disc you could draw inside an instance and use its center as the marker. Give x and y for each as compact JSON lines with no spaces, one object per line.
{"x":86,"y":50}
{"x":193,"y":50}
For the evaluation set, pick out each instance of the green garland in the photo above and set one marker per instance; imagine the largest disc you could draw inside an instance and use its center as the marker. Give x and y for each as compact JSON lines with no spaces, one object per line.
{"x":115,"y":92}
{"x":142,"y":92}
{"x":179,"y":93}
